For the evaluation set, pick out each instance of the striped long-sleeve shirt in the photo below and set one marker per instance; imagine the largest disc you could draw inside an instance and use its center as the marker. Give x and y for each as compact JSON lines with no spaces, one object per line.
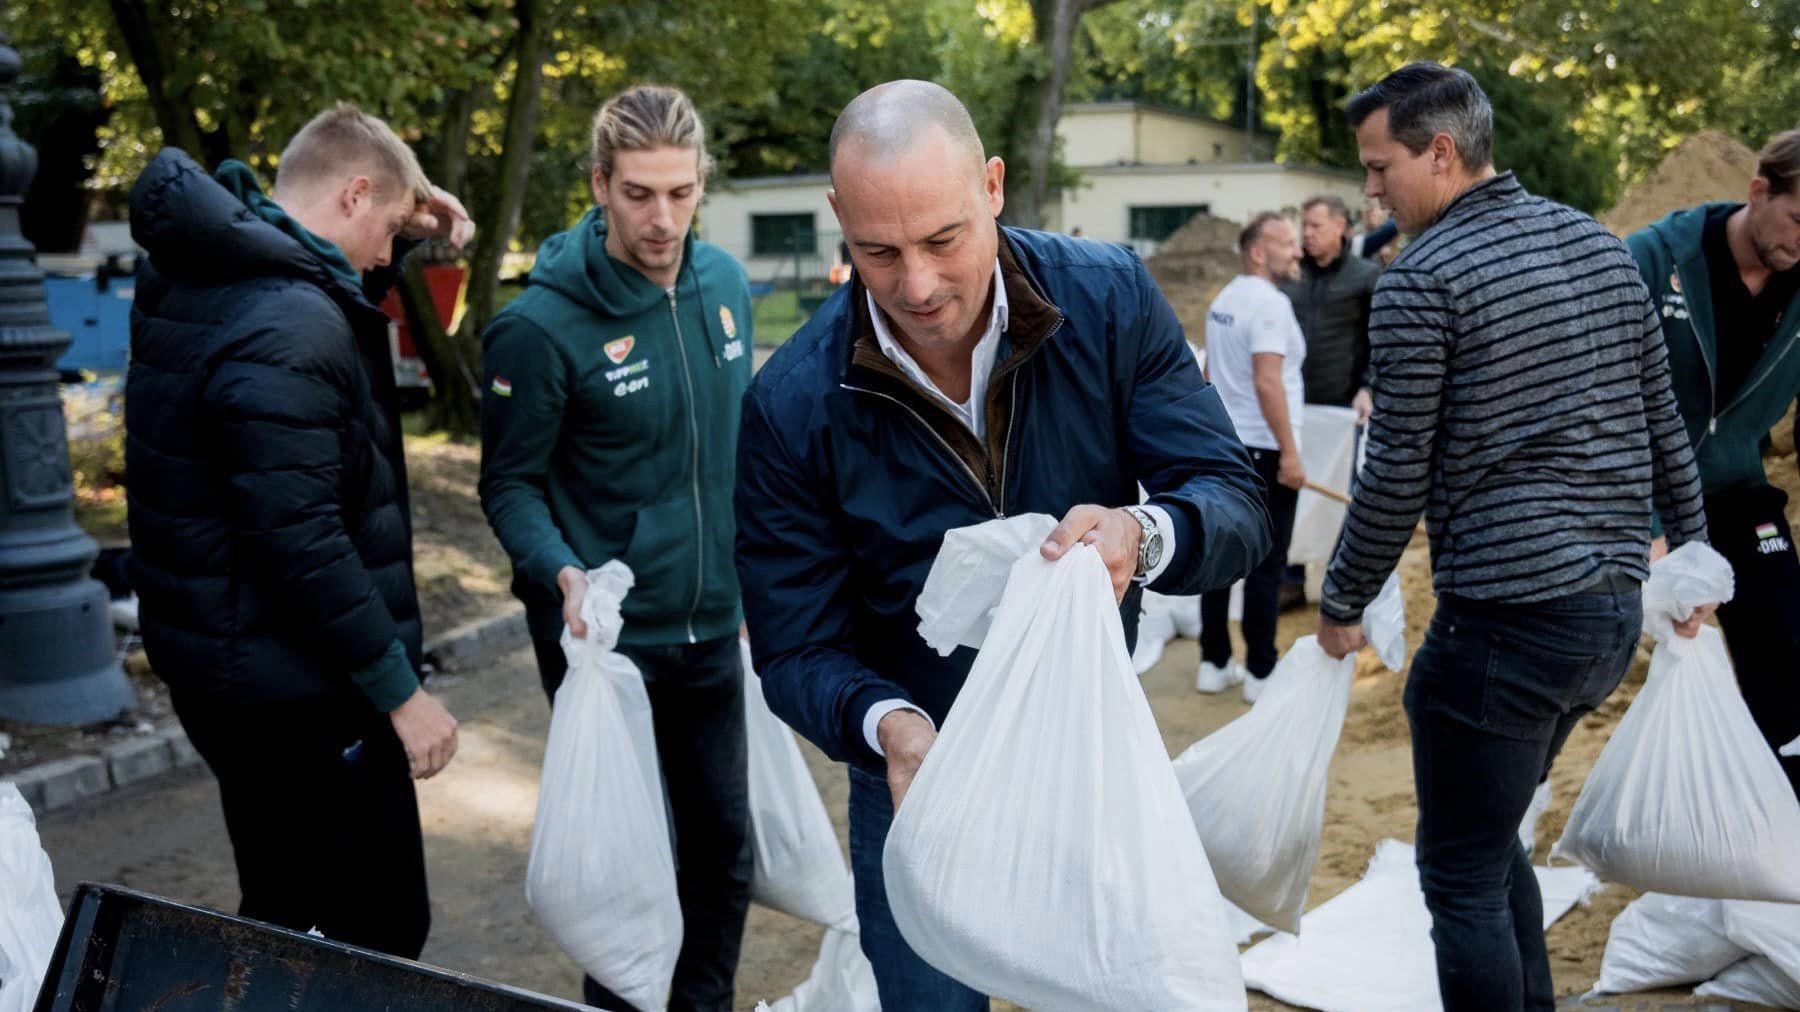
{"x":1522,"y":403}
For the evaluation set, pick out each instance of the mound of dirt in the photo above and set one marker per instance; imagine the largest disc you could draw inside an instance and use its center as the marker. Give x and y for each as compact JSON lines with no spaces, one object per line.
{"x":1192,"y":265}
{"x":1706,"y":166}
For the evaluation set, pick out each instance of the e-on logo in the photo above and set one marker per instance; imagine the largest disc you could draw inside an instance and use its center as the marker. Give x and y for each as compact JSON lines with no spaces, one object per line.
{"x":631,"y":386}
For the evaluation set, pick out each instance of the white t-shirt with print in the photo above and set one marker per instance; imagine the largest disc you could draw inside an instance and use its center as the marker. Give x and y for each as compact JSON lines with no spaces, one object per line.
{"x":1251,"y":316}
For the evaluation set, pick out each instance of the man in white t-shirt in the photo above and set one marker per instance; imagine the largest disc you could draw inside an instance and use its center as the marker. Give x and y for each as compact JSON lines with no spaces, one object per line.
{"x":1253,"y":353}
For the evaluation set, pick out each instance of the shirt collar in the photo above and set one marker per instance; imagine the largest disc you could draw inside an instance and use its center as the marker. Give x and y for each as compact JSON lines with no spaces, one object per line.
{"x":997,"y":321}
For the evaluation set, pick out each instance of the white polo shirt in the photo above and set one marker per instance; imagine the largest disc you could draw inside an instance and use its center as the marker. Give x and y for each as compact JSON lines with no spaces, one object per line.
{"x":1250,"y":317}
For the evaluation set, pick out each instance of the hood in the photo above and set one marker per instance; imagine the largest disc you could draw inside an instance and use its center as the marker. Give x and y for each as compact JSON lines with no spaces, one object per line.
{"x":575,"y":264}
{"x":192,"y":226}
{"x":1683,"y":229}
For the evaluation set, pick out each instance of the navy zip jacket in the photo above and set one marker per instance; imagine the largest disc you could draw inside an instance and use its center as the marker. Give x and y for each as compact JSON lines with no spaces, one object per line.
{"x":849,"y":475}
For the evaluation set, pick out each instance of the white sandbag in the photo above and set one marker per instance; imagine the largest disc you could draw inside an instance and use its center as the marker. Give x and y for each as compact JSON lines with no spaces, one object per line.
{"x":1156,"y":627}
{"x":1327,"y":451}
{"x":1662,"y":941}
{"x":1243,"y":926}
{"x":1792,"y":748}
{"x":1686,"y":578}
{"x":798,"y":868}
{"x":1370,"y":947}
{"x":1186,"y":609}
{"x":1756,"y":980}
{"x":601,"y":877}
{"x":1384,"y":625}
{"x":1256,"y":787}
{"x":1770,"y":930}
{"x":956,"y":605}
{"x":841,"y":980}
{"x":1686,"y":798}
{"x":1043,"y":854}
{"x":30,"y":916}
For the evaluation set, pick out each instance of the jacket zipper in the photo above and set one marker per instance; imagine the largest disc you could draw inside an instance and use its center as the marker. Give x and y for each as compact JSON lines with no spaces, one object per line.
{"x":974,"y":478}
{"x":1012,"y":419}
{"x":1712,"y":425}
{"x":699,"y":511}
{"x":1712,"y":382}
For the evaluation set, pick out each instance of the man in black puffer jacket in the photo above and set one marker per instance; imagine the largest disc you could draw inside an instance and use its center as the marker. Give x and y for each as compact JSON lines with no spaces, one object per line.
{"x":272,"y":539}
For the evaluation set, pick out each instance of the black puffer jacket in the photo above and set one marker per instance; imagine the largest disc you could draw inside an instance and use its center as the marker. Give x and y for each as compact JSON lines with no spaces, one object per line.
{"x":1332,"y":305}
{"x":271,"y":534}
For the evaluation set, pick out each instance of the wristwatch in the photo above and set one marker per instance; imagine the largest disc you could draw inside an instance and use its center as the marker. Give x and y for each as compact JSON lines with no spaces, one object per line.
{"x":1150,"y":546}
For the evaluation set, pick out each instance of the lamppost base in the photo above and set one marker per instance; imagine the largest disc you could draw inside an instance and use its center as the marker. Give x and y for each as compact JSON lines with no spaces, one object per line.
{"x":60,"y":664}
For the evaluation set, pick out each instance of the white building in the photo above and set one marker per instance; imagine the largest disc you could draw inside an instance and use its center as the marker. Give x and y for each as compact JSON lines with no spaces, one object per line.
{"x":1144,"y":172}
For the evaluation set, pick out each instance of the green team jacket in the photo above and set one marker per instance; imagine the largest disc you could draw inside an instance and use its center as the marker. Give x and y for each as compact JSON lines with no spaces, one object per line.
{"x":609,"y":422}
{"x":1727,"y":438}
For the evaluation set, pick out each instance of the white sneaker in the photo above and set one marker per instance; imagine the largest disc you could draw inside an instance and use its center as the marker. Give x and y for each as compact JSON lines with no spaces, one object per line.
{"x":1253,"y":686}
{"x":1215,"y":679}
{"x":1540,"y":802}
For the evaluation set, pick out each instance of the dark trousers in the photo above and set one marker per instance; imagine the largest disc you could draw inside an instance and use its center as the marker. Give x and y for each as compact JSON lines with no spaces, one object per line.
{"x":1262,"y":588}
{"x":319,"y":805}
{"x":1762,"y":621}
{"x":905,"y":982}
{"x":1493,"y":694}
{"x":697,"y":706}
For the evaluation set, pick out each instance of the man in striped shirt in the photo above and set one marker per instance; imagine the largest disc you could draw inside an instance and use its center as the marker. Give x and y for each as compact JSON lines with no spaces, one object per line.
{"x":1522,"y":404}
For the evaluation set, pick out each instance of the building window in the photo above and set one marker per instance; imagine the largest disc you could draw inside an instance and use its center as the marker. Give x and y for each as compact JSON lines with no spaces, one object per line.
{"x":777,"y":235}
{"x":1156,"y":223}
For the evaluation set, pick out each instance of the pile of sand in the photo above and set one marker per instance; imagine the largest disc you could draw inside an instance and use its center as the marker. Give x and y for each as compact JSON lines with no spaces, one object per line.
{"x":1705,"y":166}
{"x":1192,"y":265}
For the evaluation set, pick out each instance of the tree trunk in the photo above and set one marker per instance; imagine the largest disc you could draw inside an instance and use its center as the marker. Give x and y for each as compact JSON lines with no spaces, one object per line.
{"x":494,"y":233}
{"x":149,"y":54}
{"x":453,"y":163}
{"x":1040,"y":107}
{"x":454,"y":363}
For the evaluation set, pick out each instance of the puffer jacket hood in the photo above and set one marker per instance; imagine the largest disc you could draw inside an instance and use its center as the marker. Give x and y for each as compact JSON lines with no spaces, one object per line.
{"x":193,"y":227}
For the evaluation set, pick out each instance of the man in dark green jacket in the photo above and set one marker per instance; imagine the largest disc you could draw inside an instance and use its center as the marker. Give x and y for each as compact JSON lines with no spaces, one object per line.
{"x":609,"y":429}
{"x":1726,"y":279}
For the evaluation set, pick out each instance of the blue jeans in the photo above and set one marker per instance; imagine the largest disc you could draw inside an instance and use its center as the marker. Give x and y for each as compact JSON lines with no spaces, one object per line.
{"x":905,"y":982}
{"x":1493,"y":694}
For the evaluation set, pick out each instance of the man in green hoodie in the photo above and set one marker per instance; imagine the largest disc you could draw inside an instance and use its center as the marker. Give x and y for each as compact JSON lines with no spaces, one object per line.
{"x":609,"y":428}
{"x":1726,"y":279}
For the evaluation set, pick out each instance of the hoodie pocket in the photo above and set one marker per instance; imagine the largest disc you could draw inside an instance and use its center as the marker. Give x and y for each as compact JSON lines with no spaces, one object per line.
{"x":665,"y":559}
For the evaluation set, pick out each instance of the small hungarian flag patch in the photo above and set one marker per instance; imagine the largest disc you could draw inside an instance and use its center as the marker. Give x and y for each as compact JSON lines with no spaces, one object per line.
{"x":1766,"y":531}
{"x":502,"y":386}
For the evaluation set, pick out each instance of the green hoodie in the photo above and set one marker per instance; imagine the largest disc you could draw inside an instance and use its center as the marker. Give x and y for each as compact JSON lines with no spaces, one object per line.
{"x":609,"y":423}
{"x":1727,"y":438}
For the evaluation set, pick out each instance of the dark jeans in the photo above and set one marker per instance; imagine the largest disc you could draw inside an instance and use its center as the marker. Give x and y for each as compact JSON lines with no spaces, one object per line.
{"x":1262,"y":588}
{"x":1493,"y":694}
{"x":319,"y":805}
{"x":1761,"y":624}
{"x":697,"y":705}
{"x":905,"y":982}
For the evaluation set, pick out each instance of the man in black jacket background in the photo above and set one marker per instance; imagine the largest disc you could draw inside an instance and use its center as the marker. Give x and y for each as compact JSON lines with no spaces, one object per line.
{"x":271,"y":530}
{"x":1331,"y":300}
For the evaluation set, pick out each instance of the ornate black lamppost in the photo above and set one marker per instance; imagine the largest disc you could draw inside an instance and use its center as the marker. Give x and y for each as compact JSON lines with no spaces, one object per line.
{"x":58,"y":662}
